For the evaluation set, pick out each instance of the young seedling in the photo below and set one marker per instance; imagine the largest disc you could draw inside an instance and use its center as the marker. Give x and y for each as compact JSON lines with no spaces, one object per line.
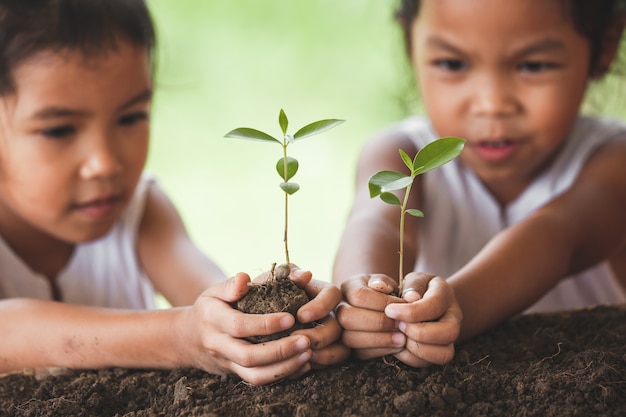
{"x":287,"y":166}
{"x":382,"y":183}
{"x":279,"y":293}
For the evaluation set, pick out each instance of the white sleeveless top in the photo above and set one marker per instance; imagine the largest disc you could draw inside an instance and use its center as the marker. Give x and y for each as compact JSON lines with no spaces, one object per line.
{"x":461,"y":216}
{"x":105,"y":272}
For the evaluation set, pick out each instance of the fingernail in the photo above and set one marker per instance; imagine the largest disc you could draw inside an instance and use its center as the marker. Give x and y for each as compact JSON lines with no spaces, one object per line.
{"x":411,"y":295}
{"x":391,"y":311}
{"x":398,"y":339}
{"x":286,"y":322}
{"x":306,"y":316}
{"x":402,"y":326}
{"x":302,"y":343}
{"x":304,"y":356}
{"x":297,"y":273}
{"x":379,"y":285}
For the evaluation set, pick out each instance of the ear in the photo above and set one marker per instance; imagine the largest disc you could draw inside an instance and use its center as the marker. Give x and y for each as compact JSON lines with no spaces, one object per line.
{"x":610,"y":45}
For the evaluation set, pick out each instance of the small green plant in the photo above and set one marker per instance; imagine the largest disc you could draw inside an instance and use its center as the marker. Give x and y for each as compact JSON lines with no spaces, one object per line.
{"x":287,"y":166}
{"x":383,"y":183}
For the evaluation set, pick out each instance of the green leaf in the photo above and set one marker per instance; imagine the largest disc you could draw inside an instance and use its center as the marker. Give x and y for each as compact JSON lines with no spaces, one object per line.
{"x":407,"y":160}
{"x":252,"y":134}
{"x":384,"y":181}
{"x":415,"y":212}
{"x":289,"y":187}
{"x":436,"y":154}
{"x":292,"y":167}
{"x":317,"y":127}
{"x":283,"y":121}
{"x":390,"y":198}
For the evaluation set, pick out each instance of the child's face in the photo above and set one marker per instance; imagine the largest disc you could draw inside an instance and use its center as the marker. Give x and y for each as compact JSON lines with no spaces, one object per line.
{"x":73,"y":142}
{"x":508,"y":76}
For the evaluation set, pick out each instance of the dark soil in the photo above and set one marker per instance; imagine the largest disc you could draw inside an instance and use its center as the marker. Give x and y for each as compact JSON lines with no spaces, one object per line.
{"x":277,"y":294}
{"x":567,"y":364}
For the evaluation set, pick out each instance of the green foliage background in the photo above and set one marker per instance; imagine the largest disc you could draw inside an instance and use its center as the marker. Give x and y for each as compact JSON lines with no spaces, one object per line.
{"x":223,"y":64}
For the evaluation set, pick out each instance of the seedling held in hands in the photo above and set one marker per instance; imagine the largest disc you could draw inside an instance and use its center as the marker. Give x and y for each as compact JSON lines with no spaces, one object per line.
{"x":287,"y":166}
{"x":279,"y":293}
{"x":382,"y":183}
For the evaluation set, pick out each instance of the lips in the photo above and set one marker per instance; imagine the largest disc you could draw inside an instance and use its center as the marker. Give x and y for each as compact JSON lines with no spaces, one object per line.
{"x":495,"y":150}
{"x":99,"y":207}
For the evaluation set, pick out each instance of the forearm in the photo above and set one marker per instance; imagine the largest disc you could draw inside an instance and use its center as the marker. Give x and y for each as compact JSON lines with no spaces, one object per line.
{"x":512,"y":272}
{"x":41,"y":334}
{"x":367,"y":246}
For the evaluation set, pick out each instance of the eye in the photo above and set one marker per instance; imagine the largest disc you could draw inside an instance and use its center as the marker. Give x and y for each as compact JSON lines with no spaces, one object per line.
{"x":452,"y":65}
{"x":536,"y":66}
{"x":59,"y":132}
{"x":133,"y":118}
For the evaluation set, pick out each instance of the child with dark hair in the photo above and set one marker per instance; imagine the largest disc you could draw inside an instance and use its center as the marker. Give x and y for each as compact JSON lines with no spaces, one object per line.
{"x":530,"y":217}
{"x":87,"y":238}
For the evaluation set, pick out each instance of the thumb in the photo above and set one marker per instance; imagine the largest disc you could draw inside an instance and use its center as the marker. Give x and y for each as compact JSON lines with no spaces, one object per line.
{"x":230,"y":290}
{"x":381,"y":283}
{"x":415,"y":285}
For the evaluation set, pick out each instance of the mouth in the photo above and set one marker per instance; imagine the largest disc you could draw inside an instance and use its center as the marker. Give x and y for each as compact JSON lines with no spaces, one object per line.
{"x":99,"y":207}
{"x":495,"y":150}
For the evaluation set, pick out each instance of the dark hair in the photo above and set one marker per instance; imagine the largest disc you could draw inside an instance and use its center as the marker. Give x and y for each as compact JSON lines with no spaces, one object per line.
{"x":91,"y":26}
{"x":591,"y":19}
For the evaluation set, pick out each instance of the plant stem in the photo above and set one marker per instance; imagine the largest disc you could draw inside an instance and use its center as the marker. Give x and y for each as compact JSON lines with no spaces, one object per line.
{"x":285,"y":174}
{"x":401,"y":263}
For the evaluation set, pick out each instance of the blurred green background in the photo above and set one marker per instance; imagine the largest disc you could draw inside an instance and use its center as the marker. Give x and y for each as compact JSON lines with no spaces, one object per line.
{"x":224,"y":64}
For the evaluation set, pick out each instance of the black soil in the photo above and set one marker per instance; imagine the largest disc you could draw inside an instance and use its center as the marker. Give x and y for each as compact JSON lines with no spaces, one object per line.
{"x":277,"y":294}
{"x":565,"y":364}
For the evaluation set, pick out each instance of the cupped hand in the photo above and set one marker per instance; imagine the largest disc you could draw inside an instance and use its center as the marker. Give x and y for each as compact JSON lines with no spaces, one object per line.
{"x":430,"y":317}
{"x":367,"y":329}
{"x":209,"y":335}
{"x":325,"y":335}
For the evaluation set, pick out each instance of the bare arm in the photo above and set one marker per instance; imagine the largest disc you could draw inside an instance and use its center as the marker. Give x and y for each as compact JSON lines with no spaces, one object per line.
{"x":370,"y":241}
{"x":583,"y":226}
{"x":175,"y":265}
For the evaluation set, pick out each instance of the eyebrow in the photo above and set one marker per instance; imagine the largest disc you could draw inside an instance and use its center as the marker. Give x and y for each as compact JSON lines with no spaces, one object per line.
{"x":545,"y":45}
{"x":56,"y":112}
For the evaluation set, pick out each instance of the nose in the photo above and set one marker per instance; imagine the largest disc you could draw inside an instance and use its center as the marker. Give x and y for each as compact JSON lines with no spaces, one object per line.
{"x":493,"y":96}
{"x":102,"y":160}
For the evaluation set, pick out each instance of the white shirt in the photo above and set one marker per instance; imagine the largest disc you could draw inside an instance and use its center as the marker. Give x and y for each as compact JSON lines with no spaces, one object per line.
{"x":461,"y":215}
{"x":105,"y":272}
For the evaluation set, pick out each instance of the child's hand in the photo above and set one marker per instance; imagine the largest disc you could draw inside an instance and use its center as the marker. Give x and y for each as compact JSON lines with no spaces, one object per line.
{"x":210,"y":336}
{"x":366,"y":327}
{"x":325,"y":335}
{"x":430,"y":318}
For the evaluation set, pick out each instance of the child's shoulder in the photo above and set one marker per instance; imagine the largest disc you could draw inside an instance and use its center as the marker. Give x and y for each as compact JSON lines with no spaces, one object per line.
{"x":598,"y":128}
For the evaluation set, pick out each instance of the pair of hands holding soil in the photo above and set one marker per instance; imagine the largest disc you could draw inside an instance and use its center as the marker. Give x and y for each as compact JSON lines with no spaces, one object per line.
{"x":419,"y":329}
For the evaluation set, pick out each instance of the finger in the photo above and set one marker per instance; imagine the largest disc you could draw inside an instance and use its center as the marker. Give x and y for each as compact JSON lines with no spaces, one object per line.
{"x":410,"y":359}
{"x":230,"y":290}
{"x":323,"y":333}
{"x":440,"y":332}
{"x":369,"y":340}
{"x":262,"y":375}
{"x":382,"y":283}
{"x":357,"y":293}
{"x":366,"y":354}
{"x":435,"y":354}
{"x":360,"y":319}
{"x":330,"y":355}
{"x":251,"y":355}
{"x":321,"y":305}
{"x":417,"y":282}
{"x":436,"y":300}
{"x":240,"y":325}
{"x":300,"y":276}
